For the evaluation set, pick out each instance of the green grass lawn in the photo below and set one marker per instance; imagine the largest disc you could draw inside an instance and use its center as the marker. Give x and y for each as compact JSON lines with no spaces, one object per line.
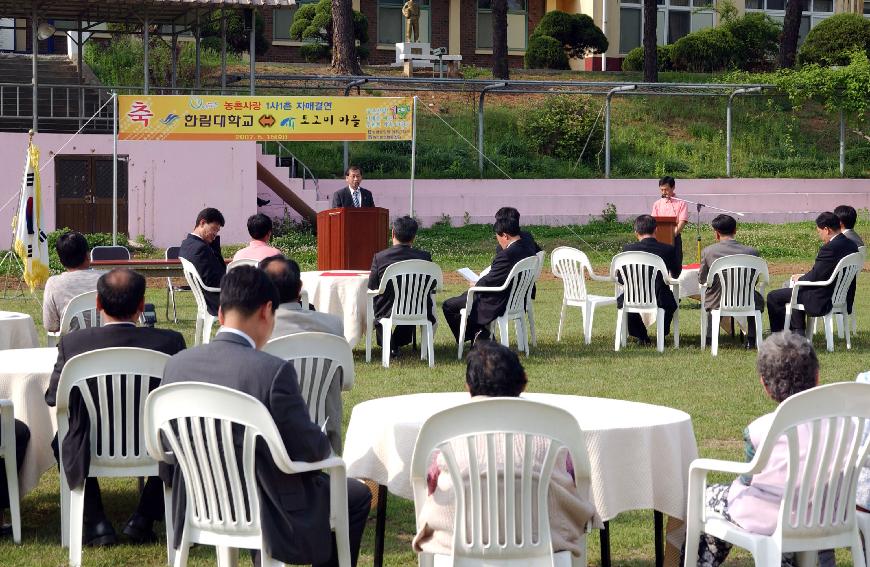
{"x":721,"y":394}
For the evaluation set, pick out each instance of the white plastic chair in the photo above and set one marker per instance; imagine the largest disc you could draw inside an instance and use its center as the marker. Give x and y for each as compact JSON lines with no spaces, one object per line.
{"x":842,"y":277}
{"x":317,"y":359}
{"x":853,"y":317}
{"x":110,"y":253}
{"x":520,"y":281}
{"x":530,"y":309}
{"x":738,"y":275}
{"x":413,"y":282}
{"x":569,"y":264}
{"x":7,"y":451}
{"x":863,"y":521}
{"x":818,"y":503}
{"x":201,"y":440}
{"x":171,"y":253}
{"x":204,"y":319}
{"x":500,"y":429}
{"x":242,"y":262}
{"x":115,"y":450}
{"x":81,"y":310}
{"x":638,"y":271}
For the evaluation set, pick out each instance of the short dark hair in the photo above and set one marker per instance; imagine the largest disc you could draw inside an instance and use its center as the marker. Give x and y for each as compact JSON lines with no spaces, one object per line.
{"x":120,"y":291}
{"x":209,"y":215}
{"x":645,"y":224}
{"x":828,"y":220}
{"x":245,"y":289}
{"x":505,"y":225}
{"x":405,"y":229}
{"x":787,"y":365}
{"x":286,"y":276}
{"x":494,"y":370}
{"x":259,"y":226}
{"x":72,"y":249}
{"x":667,"y":180}
{"x":352,"y":168}
{"x":848,"y":215}
{"x":508,"y":212}
{"x":724,"y":224}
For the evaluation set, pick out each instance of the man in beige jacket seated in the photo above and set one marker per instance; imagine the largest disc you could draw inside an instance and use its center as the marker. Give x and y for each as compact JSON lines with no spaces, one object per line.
{"x":495,"y":371}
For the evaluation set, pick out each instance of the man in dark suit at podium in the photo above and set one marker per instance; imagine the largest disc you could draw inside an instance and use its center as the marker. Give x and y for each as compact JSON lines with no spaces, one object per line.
{"x":404,"y":232}
{"x":353,"y":195}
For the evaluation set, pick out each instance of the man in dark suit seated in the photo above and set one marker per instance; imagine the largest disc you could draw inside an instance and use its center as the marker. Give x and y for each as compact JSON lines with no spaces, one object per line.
{"x":510,"y":212}
{"x":22,"y":438}
{"x":487,"y":307}
{"x":404,"y":232}
{"x":294,"y":509}
{"x":353,"y":195}
{"x":644,"y":230}
{"x":816,"y":300}
{"x":725,"y":227}
{"x":120,"y":301}
{"x":202,"y":248}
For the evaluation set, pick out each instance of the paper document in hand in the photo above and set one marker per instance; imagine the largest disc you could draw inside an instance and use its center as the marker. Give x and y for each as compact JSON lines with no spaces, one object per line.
{"x":468,"y":274}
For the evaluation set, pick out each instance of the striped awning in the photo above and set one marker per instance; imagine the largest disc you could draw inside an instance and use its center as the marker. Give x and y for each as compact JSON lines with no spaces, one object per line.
{"x":122,"y":11}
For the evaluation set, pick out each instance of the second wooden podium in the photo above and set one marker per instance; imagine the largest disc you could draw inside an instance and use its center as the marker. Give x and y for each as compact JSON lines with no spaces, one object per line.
{"x":348,"y":238}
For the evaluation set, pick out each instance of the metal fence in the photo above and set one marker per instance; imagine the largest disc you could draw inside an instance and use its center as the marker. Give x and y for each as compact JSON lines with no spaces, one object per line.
{"x":87,"y":108}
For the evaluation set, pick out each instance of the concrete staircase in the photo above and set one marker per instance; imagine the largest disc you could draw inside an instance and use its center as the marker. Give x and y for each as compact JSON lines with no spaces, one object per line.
{"x":57,"y":106}
{"x":280,"y":167}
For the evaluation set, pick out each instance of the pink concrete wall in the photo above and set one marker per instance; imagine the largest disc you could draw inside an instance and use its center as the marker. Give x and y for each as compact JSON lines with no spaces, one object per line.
{"x":169,"y":182}
{"x":569,"y":201}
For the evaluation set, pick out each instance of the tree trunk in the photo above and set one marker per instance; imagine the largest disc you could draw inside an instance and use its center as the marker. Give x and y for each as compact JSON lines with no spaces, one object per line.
{"x":500,"y":69}
{"x":791,"y":27}
{"x":344,"y":61}
{"x":650,"y":54}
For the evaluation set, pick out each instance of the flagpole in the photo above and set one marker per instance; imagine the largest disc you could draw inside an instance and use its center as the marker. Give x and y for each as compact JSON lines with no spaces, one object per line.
{"x":413,"y":151}
{"x":115,"y":169}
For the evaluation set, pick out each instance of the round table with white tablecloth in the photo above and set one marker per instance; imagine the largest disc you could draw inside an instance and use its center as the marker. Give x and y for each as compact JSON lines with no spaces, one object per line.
{"x":639,"y":453}
{"x":24,"y":377}
{"x":17,"y":330}
{"x":341,"y":293}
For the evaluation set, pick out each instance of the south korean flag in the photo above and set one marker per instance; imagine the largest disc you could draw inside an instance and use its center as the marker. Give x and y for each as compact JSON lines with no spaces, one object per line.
{"x":31,"y":243}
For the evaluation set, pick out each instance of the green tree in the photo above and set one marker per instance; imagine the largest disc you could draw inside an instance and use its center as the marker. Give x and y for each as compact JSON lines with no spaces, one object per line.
{"x":314,"y":23}
{"x":577,"y":33}
{"x":237,"y":37}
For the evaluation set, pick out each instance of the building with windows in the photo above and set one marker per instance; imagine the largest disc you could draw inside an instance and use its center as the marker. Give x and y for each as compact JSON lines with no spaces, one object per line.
{"x":464,"y":27}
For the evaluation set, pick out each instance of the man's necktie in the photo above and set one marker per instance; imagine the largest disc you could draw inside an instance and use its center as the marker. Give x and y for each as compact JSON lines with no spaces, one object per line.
{"x":355,"y":198}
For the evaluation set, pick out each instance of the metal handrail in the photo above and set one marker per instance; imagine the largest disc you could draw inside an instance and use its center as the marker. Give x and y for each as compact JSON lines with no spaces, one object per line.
{"x":284,"y":151}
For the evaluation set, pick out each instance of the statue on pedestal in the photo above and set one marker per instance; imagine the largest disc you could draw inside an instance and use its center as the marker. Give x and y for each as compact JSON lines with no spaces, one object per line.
{"x":411,"y":11}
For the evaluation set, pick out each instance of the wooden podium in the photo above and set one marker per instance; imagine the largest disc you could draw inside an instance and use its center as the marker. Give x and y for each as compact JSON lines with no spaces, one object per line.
{"x":664,"y":229}
{"x":348,"y":238}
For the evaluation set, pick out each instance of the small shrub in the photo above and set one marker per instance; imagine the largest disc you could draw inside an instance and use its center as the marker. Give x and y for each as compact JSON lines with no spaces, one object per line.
{"x":94,"y":239}
{"x":562,"y":127}
{"x":832,"y":40}
{"x":444,"y":220}
{"x":634,"y":59}
{"x":757,"y":37}
{"x":143,"y":245}
{"x":314,"y":51}
{"x":608,"y":214}
{"x":545,"y":52}
{"x":705,"y":51}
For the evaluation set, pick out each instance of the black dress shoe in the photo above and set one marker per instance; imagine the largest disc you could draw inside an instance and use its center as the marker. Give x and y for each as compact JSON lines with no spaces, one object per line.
{"x":644,"y":341}
{"x":100,"y":534}
{"x":140,"y":529}
{"x":750,"y":343}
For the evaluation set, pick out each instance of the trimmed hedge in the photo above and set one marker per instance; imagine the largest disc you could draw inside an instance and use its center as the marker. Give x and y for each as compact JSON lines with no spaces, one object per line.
{"x":834,"y":38}
{"x":705,"y":51}
{"x":757,"y":37}
{"x":545,"y":52}
{"x":561,"y":127}
{"x":634,"y":59}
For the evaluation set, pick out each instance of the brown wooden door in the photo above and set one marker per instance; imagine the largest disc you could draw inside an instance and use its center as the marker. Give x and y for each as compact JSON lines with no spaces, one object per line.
{"x":83,"y":193}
